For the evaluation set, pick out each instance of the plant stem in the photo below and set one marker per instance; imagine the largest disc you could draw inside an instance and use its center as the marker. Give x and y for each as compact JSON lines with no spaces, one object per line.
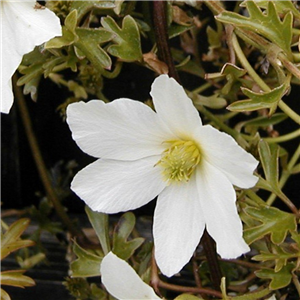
{"x":283,"y":138}
{"x":157,"y":283}
{"x":162,"y":37}
{"x":40,"y":164}
{"x":285,"y":174}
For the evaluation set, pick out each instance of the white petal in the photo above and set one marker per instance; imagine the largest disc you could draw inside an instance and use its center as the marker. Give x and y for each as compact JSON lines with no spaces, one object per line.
{"x":122,"y":282}
{"x":173,"y":106}
{"x":223,"y":152}
{"x":22,"y":28}
{"x":123,"y":129}
{"x":111,"y":186}
{"x":178,"y":226}
{"x":218,"y":207}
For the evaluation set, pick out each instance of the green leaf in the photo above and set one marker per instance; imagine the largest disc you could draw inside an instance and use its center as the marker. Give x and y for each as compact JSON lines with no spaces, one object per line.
{"x":16,"y":278}
{"x":278,"y":254}
{"x":68,"y":33}
{"x":87,"y":264}
{"x":261,"y":121}
{"x":273,"y":221}
{"x":100,"y":224}
{"x":282,"y":7}
{"x":89,"y":41}
{"x":83,"y":7}
{"x":259,"y":100}
{"x":267,"y":24}
{"x":278,"y":279}
{"x":214,"y":101}
{"x":121,"y":246}
{"x":10,"y":241}
{"x":269,"y":154}
{"x":127,"y":39}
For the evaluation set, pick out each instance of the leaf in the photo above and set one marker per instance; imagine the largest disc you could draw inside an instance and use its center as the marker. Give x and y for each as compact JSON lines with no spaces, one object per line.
{"x":99,"y":222}
{"x":259,"y":100}
{"x":278,"y":279}
{"x":83,"y":7}
{"x":127,"y":39}
{"x":261,"y":121}
{"x":121,"y":246}
{"x":10,"y":241}
{"x":214,"y":101}
{"x":87,"y":264}
{"x":273,"y":221}
{"x":278,"y":254}
{"x":282,"y":7}
{"x":16,"y":278}
{"x":68,"y":33}
{"x":267,"y":24}
{"x":89,"y":41}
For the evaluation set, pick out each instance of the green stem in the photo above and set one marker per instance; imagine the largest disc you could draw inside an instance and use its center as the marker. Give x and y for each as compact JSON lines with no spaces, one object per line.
{"x":40,"y":164}
{"x":283,"y":138}
{"x":286,"y":109}
{"x":285,"y":174}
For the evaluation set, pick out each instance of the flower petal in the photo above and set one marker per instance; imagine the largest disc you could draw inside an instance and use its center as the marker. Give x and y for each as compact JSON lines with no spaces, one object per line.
{"x":122,"y":282}
{"x":178,"y":226}
{"x":223,"y":152}
{"x":23,"y":27}
{"x":218,"y":207}
{"x":123,"y":129}
{"x":173,"y":106}
{"x":111,"y":186}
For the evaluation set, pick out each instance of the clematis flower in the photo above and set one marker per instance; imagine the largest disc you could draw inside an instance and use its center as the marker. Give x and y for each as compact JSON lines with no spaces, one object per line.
{"x":168,"y":153}
{"x":121,"y":281}
{"x":23,"y":26}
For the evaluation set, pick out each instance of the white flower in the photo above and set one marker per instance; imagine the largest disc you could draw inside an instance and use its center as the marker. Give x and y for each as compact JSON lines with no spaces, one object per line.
{"x":122,"y":282}
{"x":192,"y":168}
{"x":22,"y":28}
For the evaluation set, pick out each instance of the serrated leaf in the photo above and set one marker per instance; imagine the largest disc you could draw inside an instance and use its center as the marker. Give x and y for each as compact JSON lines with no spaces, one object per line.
{"x":87,"y":264}
{"x":214,"y":101}
{"x":269,"y":154}
{"x":259,"y":100}
{"x":100,"y":224}
{"x":262,"y":121}
{"x":278,"y":279}
{"x":278,"y":254}
{"x":68,"y":33}
{"x":83,"y":7}
{"x":10,"y":241}
{"x":16,"y":278}
{"x":273,"y":221}
{"x":282,"y":7}
{"x":121,"y":246}
{"x":267,"y":24}
{"x":127,"y":39}
{"x":89,"y":41}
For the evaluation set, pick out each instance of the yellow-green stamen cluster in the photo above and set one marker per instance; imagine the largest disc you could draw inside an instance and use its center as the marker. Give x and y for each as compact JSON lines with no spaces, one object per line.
{"x":179,"y":160}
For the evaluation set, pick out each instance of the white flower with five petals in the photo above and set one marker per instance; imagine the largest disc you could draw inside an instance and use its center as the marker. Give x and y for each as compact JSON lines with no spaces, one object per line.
{"x":122,"y":282}
{"x":23,"y":26}
{"x":168,"y":153}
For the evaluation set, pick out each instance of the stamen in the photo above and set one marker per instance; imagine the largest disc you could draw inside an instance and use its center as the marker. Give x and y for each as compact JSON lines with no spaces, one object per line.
{"x":179,"y":160}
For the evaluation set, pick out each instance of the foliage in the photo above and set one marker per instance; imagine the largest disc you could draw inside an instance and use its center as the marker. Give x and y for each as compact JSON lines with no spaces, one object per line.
{"x":240,"y":65}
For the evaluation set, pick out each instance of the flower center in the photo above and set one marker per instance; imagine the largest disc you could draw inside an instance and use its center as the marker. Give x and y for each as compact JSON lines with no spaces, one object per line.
{"x":179,"y":160}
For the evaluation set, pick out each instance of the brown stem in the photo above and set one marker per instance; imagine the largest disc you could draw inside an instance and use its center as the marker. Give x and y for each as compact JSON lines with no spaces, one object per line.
{"x":157,"y":283}
{"x":212,"y":260}
{"x":40,"y":164}
{"x":162,"y":37}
